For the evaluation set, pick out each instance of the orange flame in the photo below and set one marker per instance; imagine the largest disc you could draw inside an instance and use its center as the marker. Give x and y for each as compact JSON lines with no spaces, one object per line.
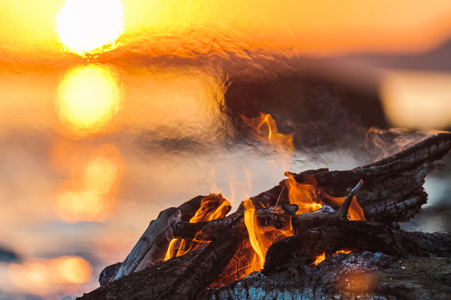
{"x":304,"y":195}
{"x":355,"y":212}
{"x":320,"y":258}
{"x":265,"y":130}
{"x":261,"y":238}
{"x":212,"y":207}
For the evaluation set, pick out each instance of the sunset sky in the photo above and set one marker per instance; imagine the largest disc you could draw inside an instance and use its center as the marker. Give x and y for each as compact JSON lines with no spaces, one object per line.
{"x":320,"y":27}
{"x":96,"y":139}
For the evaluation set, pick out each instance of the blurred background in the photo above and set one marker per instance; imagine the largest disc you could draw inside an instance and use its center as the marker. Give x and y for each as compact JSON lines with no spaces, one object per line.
{"x":111,"y":111}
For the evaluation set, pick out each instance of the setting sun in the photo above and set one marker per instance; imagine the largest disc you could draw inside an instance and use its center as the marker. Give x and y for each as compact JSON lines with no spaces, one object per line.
{"x":89,"y":26}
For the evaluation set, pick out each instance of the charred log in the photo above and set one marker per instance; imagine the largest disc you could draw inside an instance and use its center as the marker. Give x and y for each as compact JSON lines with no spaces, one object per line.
{"x":356,"y":236}
{"x":424,"y":261}
{"x":393,"y":190}
{"x":182,"y":277}
{"x":349,"y":276}
{"x":153,"y":244}
{"x":274,"y":217}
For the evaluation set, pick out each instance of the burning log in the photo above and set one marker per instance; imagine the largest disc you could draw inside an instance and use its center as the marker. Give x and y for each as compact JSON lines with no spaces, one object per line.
{"x":151,"y":248}
{"x":392,"y":192}
{"x":274,"y":217}
{"x":356,"y":237}
{"x":348,"y":276}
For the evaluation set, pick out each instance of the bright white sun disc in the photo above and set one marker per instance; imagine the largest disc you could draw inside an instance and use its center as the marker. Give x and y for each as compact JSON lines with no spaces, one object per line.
{"x":87,"y":26}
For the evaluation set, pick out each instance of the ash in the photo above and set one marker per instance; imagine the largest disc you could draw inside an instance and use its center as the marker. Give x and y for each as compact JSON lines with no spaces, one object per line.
{"x":363,"y":262}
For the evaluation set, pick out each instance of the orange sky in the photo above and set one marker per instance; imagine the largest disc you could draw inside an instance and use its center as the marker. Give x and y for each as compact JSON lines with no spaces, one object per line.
{"x":320,"y":27}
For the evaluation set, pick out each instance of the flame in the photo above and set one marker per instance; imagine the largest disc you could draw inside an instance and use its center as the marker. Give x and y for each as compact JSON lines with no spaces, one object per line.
{"x":88,"y":98}
{"x":90,"y":26}
{"x":261,"y":239}
{"x":258,"y":243}
{"x":89,"y":194}
{"x":303,"y":195}
{"x":320,"y":258}
{"x":41,"y":275}
{"x":212,"y":207}
{"x":264,"y":129}
{"x":355,"y":212}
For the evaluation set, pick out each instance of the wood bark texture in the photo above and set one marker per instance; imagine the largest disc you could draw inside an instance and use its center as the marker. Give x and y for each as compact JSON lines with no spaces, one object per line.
{"x":386,"y":262}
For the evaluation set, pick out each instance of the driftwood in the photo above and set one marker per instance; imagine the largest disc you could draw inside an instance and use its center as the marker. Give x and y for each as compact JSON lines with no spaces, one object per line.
{"x":392,"y":192}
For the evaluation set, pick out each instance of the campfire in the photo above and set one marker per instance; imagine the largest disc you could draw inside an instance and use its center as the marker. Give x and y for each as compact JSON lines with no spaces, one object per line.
{"x":317,"y":234}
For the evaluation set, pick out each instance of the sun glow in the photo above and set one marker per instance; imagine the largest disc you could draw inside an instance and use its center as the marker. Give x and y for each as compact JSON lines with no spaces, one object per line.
{"x":90,"y":193}
{"x":88,"y":98}
{"x":90,"y":26}
{"x":42,"y":275}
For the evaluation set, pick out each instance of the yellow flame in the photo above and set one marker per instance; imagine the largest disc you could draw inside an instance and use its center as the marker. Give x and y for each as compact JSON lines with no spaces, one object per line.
{"x":88,"y":98}
{"x":88,"y":26}
{"x":250,"y":219}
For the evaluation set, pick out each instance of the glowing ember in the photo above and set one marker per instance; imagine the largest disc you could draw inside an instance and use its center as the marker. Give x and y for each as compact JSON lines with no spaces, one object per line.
{"x":356,"y":283}
{"x":88,"y":98}
{"x":88,"y":26}
{"x":320,"y":258}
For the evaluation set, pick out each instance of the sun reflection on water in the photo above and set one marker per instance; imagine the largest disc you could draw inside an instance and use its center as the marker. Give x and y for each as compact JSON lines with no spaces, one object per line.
{"x":42,"y":275}
{"x":90,"y":192}
{"x":89,"y":96}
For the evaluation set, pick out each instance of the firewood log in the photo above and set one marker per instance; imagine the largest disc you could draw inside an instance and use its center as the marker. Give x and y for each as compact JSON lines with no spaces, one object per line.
{"x":392,"y":192}
{"x":348,"y":276}
{"x":153,"y":244}
{"x":393,"y":189}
